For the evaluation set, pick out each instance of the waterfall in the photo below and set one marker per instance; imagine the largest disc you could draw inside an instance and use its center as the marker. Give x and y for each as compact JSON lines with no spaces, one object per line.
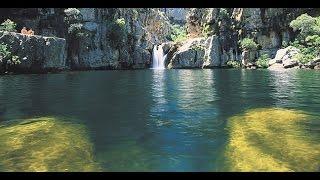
{"x":158,"y":57}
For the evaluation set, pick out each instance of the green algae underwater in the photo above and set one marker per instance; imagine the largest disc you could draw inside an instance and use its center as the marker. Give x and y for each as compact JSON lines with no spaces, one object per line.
{"x":45,"y":144}
{"x":273,"y":139}
{"x":262,"y":139}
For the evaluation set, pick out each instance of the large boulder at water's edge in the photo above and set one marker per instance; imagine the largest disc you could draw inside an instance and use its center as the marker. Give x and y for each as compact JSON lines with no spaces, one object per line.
{"x":286,"y":57}
{"x":197,"y":53}
{"x":36,"y":53}
{"x":189,"y":55}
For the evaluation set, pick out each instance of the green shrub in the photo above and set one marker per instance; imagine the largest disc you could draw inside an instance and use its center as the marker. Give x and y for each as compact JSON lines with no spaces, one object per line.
{"x":233,"y":64}
{"x":178,"y":33}
{"x":73,"y":18}
{"x":248,"y":44}
{"x":307,"y":25}
{"x":198,"y":47}
{"x":263,"y":61}
{"x":72,"y":14}
{"x":75,"y":28}
{"x":313,"y":40}
{"x":206,"y":30}
{"x":121,"y":22}
{"x":117,"y":33}
{"x":6,"y":57}
{"x":306,"y":54}
{"x":308,"y":40}
{"x":8,"y":25}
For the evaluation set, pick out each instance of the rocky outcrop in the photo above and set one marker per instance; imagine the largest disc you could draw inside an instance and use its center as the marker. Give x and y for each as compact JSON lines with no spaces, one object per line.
{"x":143,"y":28}
{"x":189,"y":55}
{"x":212,"y":56}
{"x":36,"y":53}
{"x":269,"y":27}
{"x":314,"y":64}
{"x":197,"y":53}
{"x":176,"y":15}
{"x":220,"y":29}
{"x":285,"y":57}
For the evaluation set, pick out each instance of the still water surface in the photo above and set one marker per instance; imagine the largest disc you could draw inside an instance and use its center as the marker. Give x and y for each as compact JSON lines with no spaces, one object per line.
{"x":159,"y":120}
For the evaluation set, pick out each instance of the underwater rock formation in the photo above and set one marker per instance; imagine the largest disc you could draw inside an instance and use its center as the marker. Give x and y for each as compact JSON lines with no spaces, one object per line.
{"x":45,"y":144}
{"x":272,"y":139}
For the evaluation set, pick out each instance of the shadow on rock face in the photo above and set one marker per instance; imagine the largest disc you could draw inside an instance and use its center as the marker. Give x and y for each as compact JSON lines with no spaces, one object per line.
{"x":272,"y":139}
{"x":45,"y":144}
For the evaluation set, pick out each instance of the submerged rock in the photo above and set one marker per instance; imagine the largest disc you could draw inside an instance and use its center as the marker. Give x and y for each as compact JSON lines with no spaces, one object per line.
{"x":272,"y":139}
{"x":45,"y":144}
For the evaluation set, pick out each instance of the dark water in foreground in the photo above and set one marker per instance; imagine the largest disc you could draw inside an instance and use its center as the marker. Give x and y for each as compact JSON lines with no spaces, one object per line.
{"x":154,"y":120}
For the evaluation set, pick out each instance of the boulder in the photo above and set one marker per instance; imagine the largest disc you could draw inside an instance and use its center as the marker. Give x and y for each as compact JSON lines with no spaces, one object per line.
{"x":166,"y":47}
{"x":189,"y":55}
{"x":289,"y":63}
{"x":317,"y":66}
{"x":286,"y":53}
{"x":276,"y":67}
{"x":36,"y":53}
{"x":272,"y":61}
{"x":285,"y":57}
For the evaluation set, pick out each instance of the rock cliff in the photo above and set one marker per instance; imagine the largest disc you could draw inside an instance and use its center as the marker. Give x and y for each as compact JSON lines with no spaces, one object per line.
{"x":143,"y":28}
{"x":106,"y":47}
{"x":225,"y":27}
{"x":36,"y":53}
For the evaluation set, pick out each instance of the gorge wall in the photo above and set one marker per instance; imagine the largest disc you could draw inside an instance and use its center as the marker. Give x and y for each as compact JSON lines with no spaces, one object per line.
{"x":221,"y":29}
{"x":103,"y":47}
{"x":213,"y":34}
{"x":36,"y":53}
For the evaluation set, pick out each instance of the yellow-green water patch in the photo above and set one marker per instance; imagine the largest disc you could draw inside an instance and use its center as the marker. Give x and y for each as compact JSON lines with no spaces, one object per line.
{"x":272,"y":139}
{"x":45,"y":144}
{"x":127,"y":156}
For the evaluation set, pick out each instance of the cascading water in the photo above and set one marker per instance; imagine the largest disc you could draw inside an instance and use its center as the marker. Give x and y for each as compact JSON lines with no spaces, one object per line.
{"x":158,"y":57}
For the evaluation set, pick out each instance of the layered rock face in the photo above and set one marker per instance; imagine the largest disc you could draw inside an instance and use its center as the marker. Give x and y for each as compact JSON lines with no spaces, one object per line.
{"x":176,"y":15}
{"x":219,"y":31}
{"x":144,"y":27}
{"x":269,"y":27}
{"x":36,"y":53}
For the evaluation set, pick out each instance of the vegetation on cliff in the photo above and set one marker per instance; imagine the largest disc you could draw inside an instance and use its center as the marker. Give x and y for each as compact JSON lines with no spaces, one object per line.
{"x":7,"y":58}
{"x":8,"y":25}
{"x":178,"y":33}
{"x":308,"y":39}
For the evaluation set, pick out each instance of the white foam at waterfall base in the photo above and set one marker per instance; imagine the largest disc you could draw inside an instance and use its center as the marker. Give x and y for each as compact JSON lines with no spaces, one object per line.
{"x":158,"y":57}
